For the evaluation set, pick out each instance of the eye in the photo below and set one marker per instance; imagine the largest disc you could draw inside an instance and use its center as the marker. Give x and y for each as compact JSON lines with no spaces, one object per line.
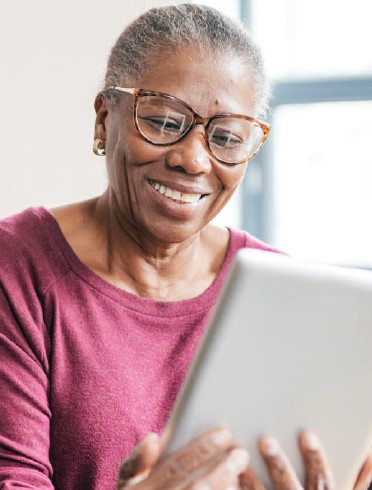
{"x":226,"y":139}
{"x":171,"y":122}
{"x":162,"y":124}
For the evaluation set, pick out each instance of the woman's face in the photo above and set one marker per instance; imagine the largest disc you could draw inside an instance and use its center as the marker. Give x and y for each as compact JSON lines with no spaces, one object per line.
{"x":137,"y":168}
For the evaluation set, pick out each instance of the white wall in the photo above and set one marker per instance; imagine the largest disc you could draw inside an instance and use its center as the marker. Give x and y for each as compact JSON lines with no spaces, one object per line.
{"x":53,"y":55}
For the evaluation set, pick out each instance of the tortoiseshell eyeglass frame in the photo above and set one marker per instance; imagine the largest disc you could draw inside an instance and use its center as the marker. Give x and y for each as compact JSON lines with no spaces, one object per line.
{"x":197,"y":119}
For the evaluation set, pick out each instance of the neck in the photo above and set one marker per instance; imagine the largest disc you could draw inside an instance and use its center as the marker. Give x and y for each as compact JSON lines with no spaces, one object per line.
{"x":148,"y":266}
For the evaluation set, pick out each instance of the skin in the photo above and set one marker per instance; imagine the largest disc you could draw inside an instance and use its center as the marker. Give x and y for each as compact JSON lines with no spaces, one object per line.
{"x":149,"y":244}
{"x":213,"y":461}
{"x":161,"y":249}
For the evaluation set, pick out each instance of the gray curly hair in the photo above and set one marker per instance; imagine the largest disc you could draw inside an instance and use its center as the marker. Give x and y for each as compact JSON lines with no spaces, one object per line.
{"x":166,"y":29}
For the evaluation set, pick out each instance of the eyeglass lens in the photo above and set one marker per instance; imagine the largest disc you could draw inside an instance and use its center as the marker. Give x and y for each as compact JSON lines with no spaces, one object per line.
{"x":164,"y":121}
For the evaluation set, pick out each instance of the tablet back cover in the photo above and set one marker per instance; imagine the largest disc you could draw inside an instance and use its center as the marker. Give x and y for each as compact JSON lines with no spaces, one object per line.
{"x":288,"y":348}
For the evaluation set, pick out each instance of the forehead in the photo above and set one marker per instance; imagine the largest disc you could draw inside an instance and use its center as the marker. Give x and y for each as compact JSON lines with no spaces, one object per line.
{"x":210,"y":84}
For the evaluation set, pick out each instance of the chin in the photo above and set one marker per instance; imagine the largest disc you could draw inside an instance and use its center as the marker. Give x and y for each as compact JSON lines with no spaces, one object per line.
{"x":172,"y":233}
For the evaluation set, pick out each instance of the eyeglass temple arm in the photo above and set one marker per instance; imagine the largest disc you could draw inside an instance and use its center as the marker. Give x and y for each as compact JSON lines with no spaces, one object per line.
{"x":121,"y":89}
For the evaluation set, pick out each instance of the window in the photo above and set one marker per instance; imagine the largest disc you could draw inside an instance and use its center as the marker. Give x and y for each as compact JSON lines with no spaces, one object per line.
{"x":309,"y":191}
{"x":322,"y":180}
{"x":303,"y":39}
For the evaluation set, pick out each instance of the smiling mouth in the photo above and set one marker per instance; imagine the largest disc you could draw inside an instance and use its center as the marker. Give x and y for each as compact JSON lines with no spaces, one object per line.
{"x":174,"y":195}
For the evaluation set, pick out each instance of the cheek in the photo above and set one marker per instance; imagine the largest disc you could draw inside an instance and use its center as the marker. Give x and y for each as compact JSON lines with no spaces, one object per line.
{"x":231,"y":177}
{"x":138,"y":152}
{"x":127,"y":146}
{"x":127,"y":159}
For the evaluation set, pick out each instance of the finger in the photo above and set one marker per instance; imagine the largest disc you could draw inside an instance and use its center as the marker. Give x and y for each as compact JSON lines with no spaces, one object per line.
{"x":278,"y":465}
{"x":365,"y":475}
{"x":225,"y":474}
{"x":318,"y":473}
{"x":249,"y":480}
{"x":141,"y":460}
{"x":200,"y":452}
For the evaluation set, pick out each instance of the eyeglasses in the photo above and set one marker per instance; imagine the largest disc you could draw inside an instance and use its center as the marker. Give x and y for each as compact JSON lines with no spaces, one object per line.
{"x":163,"y":120}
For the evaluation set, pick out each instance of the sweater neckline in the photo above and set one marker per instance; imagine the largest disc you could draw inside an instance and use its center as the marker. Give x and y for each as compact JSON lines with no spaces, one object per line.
{"x":131,"y":300}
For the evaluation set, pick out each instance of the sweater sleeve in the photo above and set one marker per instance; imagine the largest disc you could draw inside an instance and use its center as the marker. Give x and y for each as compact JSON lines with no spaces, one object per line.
{"x":24,"y":379}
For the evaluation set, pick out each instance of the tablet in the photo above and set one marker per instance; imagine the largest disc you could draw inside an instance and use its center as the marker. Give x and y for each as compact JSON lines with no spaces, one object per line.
{"x":287,"y":348}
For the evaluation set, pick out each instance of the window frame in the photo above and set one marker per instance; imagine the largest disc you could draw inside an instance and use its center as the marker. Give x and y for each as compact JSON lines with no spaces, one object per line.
{"x":257,"y":205}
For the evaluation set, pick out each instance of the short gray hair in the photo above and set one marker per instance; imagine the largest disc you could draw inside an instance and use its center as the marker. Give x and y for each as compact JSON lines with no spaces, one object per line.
{"x":177,"y":26}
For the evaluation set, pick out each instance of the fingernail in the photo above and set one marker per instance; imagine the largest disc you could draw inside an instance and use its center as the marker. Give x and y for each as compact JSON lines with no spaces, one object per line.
{"x":311,"y":441}
{"x":239,"y":460}
{"x":151,"y":436}
{"x":320,"y":484}
{"x":137,"y":479}
{"x":220,"y":437}
{"x":202,"y":486}
{"x":270,"y":447}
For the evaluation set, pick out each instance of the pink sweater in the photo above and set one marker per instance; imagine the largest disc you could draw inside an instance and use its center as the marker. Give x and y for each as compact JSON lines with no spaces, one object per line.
{"x":86,"y":369}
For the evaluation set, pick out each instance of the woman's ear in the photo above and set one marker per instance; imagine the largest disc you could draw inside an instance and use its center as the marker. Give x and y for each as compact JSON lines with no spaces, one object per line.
{"x":100,"y":106}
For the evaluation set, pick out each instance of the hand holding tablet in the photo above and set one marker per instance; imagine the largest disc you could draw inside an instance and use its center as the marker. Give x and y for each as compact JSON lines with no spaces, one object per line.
{"x":288,"y":348}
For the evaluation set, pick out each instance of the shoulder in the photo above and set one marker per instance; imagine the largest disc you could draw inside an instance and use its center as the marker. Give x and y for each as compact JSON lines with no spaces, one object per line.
{"x":30,"y":248}
{"x":236,"y":240}
{"x":226,"y":242}
{"x":242,"y":239}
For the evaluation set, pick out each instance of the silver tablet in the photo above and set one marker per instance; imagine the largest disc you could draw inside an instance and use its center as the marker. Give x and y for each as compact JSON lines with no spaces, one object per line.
{"x":288,"y":348}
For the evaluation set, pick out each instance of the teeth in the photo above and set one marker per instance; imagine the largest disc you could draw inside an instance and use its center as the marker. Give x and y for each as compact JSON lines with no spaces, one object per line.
{"x":175,"y":195}
{"x":168,"y":192}
{"x":191,"y":197}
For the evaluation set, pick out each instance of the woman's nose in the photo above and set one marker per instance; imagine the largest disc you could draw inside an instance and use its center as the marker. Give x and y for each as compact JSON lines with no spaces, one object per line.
{"x":191,"y":154}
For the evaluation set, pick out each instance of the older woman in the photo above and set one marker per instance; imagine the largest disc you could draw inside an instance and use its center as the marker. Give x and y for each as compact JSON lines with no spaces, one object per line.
{"x":103,"y":302}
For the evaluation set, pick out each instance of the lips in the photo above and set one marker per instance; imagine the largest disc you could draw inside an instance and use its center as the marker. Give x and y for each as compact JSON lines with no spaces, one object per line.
{"x":175,"y":195}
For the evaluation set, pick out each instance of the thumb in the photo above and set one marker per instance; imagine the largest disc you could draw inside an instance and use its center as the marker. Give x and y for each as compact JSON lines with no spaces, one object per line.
{"x":365,"y":475}
{"x":141,"y":460}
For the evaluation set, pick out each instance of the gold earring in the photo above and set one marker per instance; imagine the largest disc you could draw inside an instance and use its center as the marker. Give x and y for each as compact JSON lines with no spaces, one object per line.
{"x":98,"y":148}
